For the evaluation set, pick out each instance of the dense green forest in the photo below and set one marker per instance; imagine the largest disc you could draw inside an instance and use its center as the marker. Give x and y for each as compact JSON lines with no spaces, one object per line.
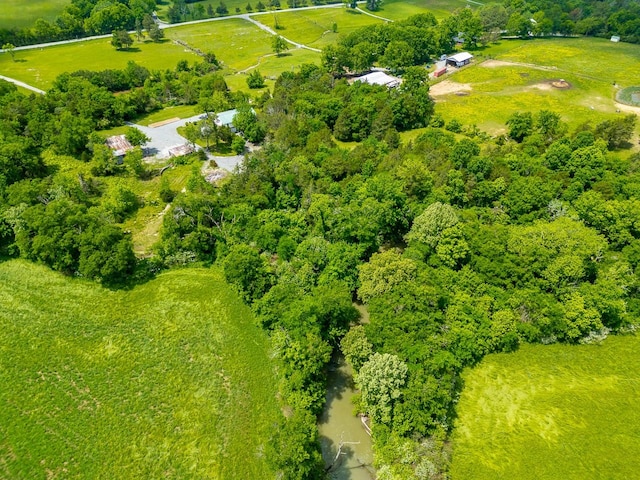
{"x":460,"y":244}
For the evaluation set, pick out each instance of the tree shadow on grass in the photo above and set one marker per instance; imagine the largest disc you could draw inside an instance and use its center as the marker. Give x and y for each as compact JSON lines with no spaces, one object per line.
{"x":130,"y":50}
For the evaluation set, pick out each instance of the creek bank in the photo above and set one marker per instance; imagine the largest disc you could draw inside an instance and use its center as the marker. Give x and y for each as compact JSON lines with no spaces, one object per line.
{"x":341,"y":431}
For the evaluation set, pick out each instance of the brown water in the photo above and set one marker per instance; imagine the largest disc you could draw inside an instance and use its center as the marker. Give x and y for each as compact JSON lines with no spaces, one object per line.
{"x":338,"y":424}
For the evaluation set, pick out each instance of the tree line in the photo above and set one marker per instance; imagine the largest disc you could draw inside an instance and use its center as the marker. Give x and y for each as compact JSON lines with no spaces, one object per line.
{"x":84,"y":18}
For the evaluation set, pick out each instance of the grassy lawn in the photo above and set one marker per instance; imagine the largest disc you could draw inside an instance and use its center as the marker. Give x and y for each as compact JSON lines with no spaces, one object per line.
{"x":40,"y":67}
{"x":236,"y":42}
{"x":400,"y":9}
{"x":168,"y":380}
{"x":24,"y":13}
{"x":595,"y":58}
{"x":590,"y":65}
{"x":178,"y":111}
{"x":314,"y":27}
{"x":271,"y":66}
{"x":551,"y":412}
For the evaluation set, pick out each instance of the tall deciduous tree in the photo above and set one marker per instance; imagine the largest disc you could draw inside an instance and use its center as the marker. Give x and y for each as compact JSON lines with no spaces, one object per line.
{"x":380,"y":381}
{"x":279,"y":45}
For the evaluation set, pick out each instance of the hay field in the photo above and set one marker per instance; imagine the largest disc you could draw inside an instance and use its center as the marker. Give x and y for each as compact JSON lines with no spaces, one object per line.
{"x":551,"y":412}
{"x":168,"y":380}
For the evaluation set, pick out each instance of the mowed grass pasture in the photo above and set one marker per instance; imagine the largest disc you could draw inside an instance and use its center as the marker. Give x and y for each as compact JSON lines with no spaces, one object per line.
{"x":314,"y":28}
{"x":400,"y":9}
{"x":236,"y":42}
{"x":171,"y":379}
{"x":516,"y":76}
{"x":24,"y":13}
{"x":40,"y":67}
{"x":551,"y":412}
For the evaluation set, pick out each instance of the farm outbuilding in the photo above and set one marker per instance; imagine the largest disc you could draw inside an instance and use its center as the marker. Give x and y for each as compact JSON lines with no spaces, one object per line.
{"x":119,"y":145}
{"x":459,"y":59}
{"x":225,"y":119}
{"x":379,"y":78}
{"x":439,"y":72}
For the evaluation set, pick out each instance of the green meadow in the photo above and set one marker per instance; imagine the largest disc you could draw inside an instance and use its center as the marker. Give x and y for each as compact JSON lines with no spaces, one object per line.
{"x":400,"y":9}
{"x":551,"y":412}
{"x":236,"y":42}
{"x":170,"y":379}
{"x":314,"y":28}
{"x":21,"y":13}
{"x":489,"y":92}
{"x":40,"y":67}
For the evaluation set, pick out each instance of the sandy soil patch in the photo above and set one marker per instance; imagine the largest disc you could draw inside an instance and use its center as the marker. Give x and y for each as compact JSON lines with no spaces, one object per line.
{"x":502,"y":63}
{"x":448,"y":87}
{"x":627,"y":108}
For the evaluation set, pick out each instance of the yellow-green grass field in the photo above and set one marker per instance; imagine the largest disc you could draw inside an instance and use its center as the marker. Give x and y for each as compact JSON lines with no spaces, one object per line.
{"x":271,"y":66}
{"x":551,"y":412}
{"x":236,"y":42}
{"x":24,"y":13}
{"x":488,"y":93}
{"x":171,"y":379}
{"x":314,"y":27}
{"x":401,"y":9}
{"x":40,"y":67}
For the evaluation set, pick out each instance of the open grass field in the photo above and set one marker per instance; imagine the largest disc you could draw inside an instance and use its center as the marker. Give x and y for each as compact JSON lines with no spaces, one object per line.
{"x":518,"y":76}
{"x":23,"y":13}
{"x":168,"y":380}
{"x":314,"y":27}
{"x":40,"y":67}
{"x":238,"y":43}
{"x":551,"y":412}
{"x":400,"y":9}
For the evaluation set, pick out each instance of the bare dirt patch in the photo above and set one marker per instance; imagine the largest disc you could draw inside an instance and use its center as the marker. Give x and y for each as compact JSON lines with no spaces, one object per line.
{"x":164,"y":122}
{"x":627,"y":108}
{"x":447,"y":87}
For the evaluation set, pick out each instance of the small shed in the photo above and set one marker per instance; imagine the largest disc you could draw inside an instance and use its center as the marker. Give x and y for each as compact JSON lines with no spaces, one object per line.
{"x":119,"y":145}
{"x":459,"y":59}
{"x":615,"y":38}
{"x":181,"y":150}
{"x":379,"y":78}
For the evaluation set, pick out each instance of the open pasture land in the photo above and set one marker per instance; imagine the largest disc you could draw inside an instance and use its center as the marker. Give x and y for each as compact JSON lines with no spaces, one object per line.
{"x":401,"y":9}
{"x":168,"y":380}
{"x":551,"y":412}
{"x":519,"y":76}
{"x":40,"y":67}
{"x":314,"y":27}
{"x":236,"y":42}
{"x":24,"y":13}
{"x":271,"y":66}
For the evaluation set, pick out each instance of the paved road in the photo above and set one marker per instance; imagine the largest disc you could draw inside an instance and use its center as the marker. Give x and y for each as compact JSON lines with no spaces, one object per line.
{"x":164,"y":137}
{"x":22,"y":84}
